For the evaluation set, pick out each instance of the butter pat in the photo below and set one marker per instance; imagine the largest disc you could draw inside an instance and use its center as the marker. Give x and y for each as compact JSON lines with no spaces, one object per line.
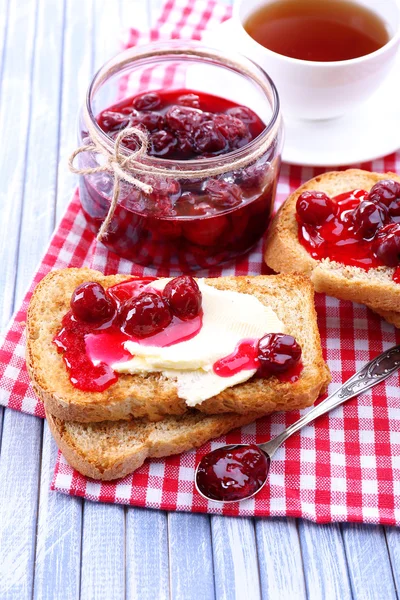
{"x":228,"y":318}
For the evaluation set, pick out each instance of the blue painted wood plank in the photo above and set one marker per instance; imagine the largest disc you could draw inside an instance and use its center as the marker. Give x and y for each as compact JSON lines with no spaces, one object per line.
{"x":19,"y":489}
{"x":190,"y":556}
{"x":280,"y":560}
{"x":14,"y":127}
{"x":38,"y":207}
{"x":393,"y":542}
{"x":147,"y":563}
{"x":3,"y":33}
{"x":324,"y":558}
{"x":103,"y":552}
{"x":235,"y":559}
{"x":1,"y":424}
{"x":368,"y":562}
{"x":58,"y":547}
{"x":76,"y":73}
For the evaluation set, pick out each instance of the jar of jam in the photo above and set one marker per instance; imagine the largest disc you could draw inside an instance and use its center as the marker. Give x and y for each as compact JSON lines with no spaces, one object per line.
{"x":214,"y":137}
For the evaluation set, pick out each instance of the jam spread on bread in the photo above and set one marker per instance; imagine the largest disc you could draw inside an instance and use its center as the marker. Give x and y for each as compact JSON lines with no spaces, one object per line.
{"x":101,"y":321}
{"x":358,"y":228}
{"x":230,"y":474}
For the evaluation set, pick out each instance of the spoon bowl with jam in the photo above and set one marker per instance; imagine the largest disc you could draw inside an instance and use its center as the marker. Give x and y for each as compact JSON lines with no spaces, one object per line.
{"x":238,"y":472}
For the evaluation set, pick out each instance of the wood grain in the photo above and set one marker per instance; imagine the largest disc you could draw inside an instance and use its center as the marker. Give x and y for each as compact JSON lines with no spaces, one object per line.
{"x":15,"y":117}
{"x":325,"y":569}
{"x":147,"y":556}
{"x":190,"y":556}
{"x":58,"y":546}
{"x":235,"y":558}
{"x":103,"y":552}
{"x":368,"y":562}
{"x":19,"y":490}
{"x":280,"y":559}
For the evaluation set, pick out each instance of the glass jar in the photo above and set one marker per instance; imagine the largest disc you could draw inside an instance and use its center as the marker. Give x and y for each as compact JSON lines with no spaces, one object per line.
{"x":199,"y":229}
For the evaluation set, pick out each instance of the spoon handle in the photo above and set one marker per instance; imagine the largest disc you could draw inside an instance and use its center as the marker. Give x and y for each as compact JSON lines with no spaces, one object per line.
{"x":372,"y":373}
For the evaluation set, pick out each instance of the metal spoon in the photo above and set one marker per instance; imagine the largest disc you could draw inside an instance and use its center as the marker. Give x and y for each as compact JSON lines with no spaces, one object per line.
{"x":371,"y":374}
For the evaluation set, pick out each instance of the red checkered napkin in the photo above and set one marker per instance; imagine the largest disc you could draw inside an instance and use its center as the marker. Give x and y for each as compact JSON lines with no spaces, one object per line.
{"x":346,"y":467}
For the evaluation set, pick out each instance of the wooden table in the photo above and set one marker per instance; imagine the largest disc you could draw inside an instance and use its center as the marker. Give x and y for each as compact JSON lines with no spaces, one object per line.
{"x":57,"y":547}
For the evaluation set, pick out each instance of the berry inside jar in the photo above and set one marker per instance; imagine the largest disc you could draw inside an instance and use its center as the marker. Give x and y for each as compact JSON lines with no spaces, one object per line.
{"x":94,"y":334}
{"x":196,"y":223}
{"x":183,"y":125}
{"x":357,"y":228}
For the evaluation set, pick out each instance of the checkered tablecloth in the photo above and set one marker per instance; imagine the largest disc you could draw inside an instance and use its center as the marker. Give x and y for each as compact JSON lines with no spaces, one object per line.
{"x":345,"y":467}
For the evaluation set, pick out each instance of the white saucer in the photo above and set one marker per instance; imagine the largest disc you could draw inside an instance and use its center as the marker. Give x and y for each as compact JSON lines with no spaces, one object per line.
{"x":372,"y":131}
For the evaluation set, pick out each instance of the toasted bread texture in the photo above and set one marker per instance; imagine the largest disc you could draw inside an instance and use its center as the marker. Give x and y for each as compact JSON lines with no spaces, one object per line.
{"x":113,"y":449}
{"x":153,"y":396}
{"x":390,"y":316}
{"x":285,"y":254}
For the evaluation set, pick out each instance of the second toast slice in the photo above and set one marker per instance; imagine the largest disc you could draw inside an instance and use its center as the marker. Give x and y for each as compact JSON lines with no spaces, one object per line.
{"x":285,"y":254}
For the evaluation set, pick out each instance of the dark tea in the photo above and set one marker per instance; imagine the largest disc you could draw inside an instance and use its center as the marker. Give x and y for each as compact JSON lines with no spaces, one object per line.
{"x":317,"y":30}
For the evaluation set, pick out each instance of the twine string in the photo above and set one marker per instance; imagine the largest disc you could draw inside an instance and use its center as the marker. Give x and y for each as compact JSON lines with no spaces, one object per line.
{"x":117,"y":164}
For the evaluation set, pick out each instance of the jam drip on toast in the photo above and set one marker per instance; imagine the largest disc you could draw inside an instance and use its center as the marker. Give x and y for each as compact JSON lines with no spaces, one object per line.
{"x":358,"y":228}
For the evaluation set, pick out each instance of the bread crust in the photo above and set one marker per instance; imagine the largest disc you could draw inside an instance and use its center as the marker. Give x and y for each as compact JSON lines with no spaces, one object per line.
{"x":285,"y":254}
{"x":390,"y":316}
{"x":113,"y":449}
{"x":153,"y":396}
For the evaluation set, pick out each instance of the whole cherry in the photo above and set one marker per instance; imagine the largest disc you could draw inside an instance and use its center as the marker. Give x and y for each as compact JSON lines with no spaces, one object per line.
{"x":153,"y":121}
{"x":223,"y":194}
{"x":387,"y":244}
{"x":385,"y":192}
{"x":184,"y":297}
{"x":277,"y":353}
{"x":149,"y":101}
{"x":183,"y":118}
{"x":243,"y":113}
{"x":145,"y":315}
{"x":230,"y":127}
{"x":111,"y":120}
{"x":367,"y":218}
{"x":91,"y":303}
{"x":314,"y":207}
{"x":191,"y":100}
{"x":207,"y":138}
{"x":162,"y":143}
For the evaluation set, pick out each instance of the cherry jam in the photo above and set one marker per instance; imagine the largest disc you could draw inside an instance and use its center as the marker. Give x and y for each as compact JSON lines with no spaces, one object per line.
{"x":90,"y":348}
{"x":193,"y":223}
{"x":94,"y":331}
{"x":356,"y":228}
{"x":232,"y":473}
{"x":274,"y":354}
{"x":183,"y":125}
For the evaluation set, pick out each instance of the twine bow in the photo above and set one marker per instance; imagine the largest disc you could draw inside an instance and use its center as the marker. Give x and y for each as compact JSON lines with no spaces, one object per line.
{"x":117,"y":164}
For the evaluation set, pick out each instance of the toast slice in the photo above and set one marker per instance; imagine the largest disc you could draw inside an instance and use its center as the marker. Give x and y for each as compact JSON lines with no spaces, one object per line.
{"x":285,"y":254}
{"x":113,"y":449}
{"x":153,"y":396}
{"x":390,"y":316}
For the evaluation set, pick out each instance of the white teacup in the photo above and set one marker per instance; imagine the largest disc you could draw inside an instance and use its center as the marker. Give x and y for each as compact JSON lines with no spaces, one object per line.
{"x":317,"y":90}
